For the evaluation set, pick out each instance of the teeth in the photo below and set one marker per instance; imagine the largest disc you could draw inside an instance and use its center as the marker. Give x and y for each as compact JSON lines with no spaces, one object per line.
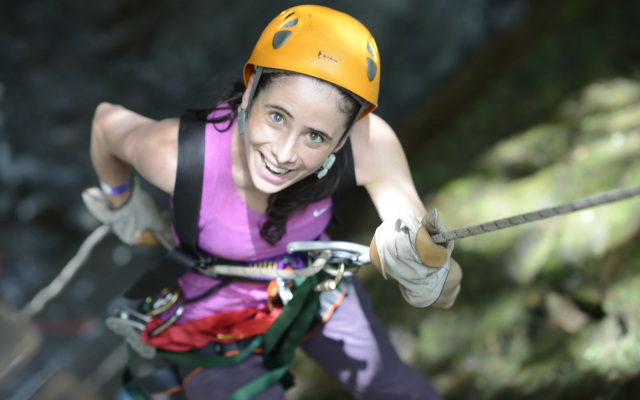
{"x":274,"y":169}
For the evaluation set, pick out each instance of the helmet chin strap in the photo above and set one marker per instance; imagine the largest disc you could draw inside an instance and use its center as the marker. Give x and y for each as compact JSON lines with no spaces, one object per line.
{"x":242,"y":112}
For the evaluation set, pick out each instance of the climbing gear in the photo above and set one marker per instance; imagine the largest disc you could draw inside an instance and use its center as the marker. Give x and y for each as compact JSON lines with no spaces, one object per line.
{"x":46,"y":294}
{"x":326,"y":166}
{"x":186,"y":198}
{"x":256,"y":270}
{"x":166,"y":300}
{"x":242,"y":121}
{"x":324,"y":256}
{"x":335,"y":259}
{"x":324,"y":43}
{"x":611,"y":196}
{"x":129,"y":323}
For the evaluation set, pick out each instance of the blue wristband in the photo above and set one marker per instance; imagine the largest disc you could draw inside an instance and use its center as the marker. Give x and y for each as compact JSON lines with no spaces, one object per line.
{"x":114,"y":191}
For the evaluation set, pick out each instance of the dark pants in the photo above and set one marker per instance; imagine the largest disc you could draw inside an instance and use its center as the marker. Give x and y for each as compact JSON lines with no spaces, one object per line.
{"x":352,"y":347}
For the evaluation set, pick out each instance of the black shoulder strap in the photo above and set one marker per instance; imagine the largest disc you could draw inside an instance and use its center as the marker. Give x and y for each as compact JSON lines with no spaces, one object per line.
{"x":348,"y":180}
{"x":187,"y":194}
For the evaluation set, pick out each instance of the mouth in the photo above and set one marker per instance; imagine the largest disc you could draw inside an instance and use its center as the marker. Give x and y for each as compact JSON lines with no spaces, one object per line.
{"x":272,"y":168}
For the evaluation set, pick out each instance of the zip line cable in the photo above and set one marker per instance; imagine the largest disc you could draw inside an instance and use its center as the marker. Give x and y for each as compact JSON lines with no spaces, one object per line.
{"x":589,"y":202}
{"x":55,"y":287}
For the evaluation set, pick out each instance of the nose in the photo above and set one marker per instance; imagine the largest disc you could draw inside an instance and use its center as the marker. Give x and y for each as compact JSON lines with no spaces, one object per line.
{"x":284,"y":149}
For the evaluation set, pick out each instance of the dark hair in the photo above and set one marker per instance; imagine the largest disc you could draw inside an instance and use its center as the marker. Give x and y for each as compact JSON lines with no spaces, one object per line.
{"x":283,"y":204}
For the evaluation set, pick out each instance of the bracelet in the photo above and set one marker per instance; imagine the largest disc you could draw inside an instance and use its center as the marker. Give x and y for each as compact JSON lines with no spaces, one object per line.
{"x":114,"y":191}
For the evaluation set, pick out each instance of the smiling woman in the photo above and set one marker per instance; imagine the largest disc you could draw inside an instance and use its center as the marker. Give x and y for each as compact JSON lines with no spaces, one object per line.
{"x":295,"y":124}
{"x":274,"y":151}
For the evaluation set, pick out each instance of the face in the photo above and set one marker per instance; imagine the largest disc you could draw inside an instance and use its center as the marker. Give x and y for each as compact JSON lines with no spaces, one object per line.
{"x":294,"y":124}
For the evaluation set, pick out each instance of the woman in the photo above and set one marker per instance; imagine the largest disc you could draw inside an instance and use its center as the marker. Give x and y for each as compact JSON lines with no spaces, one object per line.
{"x":274,"y":154}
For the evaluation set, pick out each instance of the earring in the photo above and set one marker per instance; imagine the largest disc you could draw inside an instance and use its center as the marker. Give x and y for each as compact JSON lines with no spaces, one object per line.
{"x":242,"y":121}
{"x":326,"y":166}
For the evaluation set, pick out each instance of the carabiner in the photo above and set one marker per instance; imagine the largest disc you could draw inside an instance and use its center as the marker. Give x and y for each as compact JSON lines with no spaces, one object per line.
{"x":330,"y":284}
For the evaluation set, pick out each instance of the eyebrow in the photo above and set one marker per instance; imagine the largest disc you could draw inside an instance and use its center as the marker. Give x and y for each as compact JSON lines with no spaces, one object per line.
{"x":288,"y":114}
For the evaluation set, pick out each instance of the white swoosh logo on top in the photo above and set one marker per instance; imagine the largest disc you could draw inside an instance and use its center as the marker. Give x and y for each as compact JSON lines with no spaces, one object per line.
{"x":317,"y":213}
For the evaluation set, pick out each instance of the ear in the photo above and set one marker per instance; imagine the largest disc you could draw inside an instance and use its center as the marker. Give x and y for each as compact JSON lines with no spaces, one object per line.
{"x":247,"y":92}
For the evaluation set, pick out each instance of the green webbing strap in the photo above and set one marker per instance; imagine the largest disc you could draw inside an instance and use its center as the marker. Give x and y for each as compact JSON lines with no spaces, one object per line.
{"x":280,"y":342}
{"x":284,"y":336}
{"x":210,"y":361}
{"x":282,"y":339}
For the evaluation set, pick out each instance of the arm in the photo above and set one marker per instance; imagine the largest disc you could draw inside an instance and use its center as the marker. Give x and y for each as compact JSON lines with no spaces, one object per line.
{"x":382,"y":168}
{"x":121,"y":138}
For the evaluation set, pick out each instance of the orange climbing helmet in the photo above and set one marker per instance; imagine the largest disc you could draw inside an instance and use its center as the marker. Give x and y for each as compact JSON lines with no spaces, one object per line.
{"x":323,"y":43}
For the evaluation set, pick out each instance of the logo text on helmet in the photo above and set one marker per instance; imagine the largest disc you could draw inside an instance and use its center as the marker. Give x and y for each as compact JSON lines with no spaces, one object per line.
{"x":326,"y":57}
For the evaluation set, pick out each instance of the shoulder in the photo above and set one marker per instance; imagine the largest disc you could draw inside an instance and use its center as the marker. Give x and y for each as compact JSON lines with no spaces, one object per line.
{"x":376,"y":148}
{"x":382,"y":168}
{"x":149,"y":145}
{"x":128,"y":125}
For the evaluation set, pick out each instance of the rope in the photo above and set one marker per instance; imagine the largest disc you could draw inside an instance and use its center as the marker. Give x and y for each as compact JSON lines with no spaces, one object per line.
{"x":45,"y":295}
{"x":589,"y":202}
{"x":55,"y":287}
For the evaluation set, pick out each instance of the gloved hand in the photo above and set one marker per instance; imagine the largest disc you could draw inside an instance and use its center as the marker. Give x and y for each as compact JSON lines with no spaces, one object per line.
{"x":136,"y":222}
{"x":400,"y":259}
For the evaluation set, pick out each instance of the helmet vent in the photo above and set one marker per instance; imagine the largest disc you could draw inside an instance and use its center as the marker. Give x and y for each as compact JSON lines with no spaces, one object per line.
{"x":372,"y":69}
{"x":288,"y":15}
{"x":290,"y":24}
{"x":370,"y":50}
{"x":280,"y":38}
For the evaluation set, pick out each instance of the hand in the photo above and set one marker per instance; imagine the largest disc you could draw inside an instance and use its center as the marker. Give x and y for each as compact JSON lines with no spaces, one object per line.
{"x":420,"y":269}
{"x":136,"y":222}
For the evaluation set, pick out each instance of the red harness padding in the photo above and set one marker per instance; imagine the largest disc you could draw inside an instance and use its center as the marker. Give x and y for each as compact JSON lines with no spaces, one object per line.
{"x":224,"y":327}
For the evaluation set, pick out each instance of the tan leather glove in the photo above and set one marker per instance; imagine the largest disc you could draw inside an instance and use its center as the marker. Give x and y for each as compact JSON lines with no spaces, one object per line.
{"x":402,"y":260}
{"x":136,"y":222}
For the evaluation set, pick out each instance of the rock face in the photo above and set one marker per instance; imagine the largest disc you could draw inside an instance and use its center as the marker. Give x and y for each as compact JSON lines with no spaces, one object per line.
{"x":545,"y":309}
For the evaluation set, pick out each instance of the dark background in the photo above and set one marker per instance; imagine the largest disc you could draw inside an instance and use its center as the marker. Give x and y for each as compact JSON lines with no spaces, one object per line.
{"x":457,"y":77}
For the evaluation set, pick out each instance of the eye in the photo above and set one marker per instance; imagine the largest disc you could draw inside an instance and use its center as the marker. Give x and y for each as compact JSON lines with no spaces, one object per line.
{"x":277,"y":117}
{"x":315,"y":137}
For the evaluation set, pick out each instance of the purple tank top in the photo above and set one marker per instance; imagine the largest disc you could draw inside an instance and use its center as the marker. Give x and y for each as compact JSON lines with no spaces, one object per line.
{"x":228,"y":228}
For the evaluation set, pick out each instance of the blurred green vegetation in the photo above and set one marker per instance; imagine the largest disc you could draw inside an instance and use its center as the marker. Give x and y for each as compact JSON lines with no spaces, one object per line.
{"x":546,"y":305}
{"x":548,"y":309}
